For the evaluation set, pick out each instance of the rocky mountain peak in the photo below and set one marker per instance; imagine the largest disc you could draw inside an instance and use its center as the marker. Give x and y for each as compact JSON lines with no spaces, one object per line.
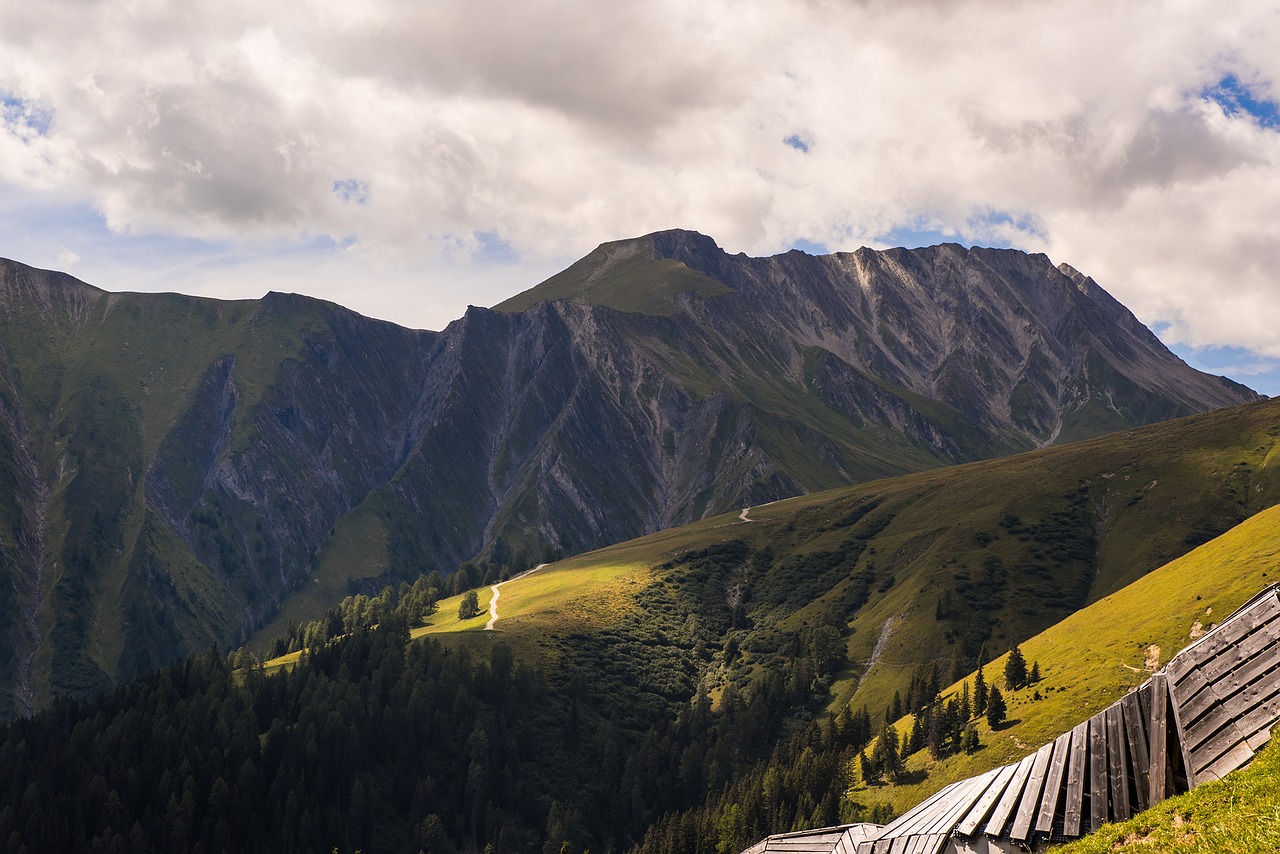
{"x":197,"y":463}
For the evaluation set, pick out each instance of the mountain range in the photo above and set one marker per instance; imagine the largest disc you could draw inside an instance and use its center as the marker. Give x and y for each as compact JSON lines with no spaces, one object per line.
{"x":183,"y":471}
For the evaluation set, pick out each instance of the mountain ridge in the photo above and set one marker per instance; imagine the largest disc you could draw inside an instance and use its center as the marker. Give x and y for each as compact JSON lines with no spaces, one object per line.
{"x":191,"y":469}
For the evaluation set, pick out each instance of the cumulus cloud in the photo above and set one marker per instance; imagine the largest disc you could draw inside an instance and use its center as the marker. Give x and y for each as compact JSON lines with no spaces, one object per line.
{"x":409,"y":132}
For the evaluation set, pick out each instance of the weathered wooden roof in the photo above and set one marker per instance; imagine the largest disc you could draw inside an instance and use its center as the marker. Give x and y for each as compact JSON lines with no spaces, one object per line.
{"x":825,"y":840}
{"x":1205,"y":714}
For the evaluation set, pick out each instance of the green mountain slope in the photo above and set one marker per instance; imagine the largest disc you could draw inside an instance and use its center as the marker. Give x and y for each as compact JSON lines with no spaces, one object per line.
{"x":927,"y":568}
{"x":1098,"y":654}
{"x":765,"y":623}
{"x":623,"y":275}
{"x":183,"y":471}
{"x":666,"y":694}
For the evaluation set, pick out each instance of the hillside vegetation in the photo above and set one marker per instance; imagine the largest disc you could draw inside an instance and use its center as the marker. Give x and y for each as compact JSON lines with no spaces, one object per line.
{"x":929,"y":567}
{"x":671,"y":693}
{"x":1095,"y":656}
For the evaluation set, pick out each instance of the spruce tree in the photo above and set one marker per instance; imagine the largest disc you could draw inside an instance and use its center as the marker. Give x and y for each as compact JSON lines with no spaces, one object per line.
{"x":1015,"y":670}
{"x":886,"y":754}
{"x":979,"y":694}
{"x":995,"y":708}
{"x":937,"y":731}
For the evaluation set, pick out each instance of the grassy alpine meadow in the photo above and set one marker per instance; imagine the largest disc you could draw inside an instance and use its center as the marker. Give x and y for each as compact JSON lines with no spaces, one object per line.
{"x":1095,"y":656}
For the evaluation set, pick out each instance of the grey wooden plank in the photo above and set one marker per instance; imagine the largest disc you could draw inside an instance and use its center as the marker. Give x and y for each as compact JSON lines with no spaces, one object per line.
{"x":1074,"y":811}
{"x":1260,"y":673}
{"x":1140,"y":761}
{"x":1226,"y":715}
{"x":1097,"y":771}
{"x":961,"y":804}
{"x":915,"y":816}
{"x":1259,"y":667}
{"x":1030,"y":800}
{"x":1158,"y":735}
{"x":1259,"y":710}
{"x":1239,"y":731}
{"x":1143,"y":695}
{"x":1226,"y":763}
{"x":937,"y":842}
{"x":1117,"y":764}
{"x":1260,"y":642}
{"x":1195,"y":695}
{"x":1000,"y":815}
{"x":1263,"y":667}
{"x":982,"y":807}
{"x":1181,"y":736}
{"x":926,"y":818}
{"x":1054,"y":783}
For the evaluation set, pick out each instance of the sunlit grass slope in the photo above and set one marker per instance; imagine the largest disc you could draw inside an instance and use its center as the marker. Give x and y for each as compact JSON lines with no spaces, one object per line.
{"x":1096,"y":655}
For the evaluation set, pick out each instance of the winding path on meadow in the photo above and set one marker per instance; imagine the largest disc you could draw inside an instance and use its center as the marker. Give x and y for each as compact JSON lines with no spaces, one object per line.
{"x":493,"y":602}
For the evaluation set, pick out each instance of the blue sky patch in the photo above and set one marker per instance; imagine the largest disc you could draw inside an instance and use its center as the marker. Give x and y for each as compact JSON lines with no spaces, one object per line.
{"x":798,"y":143}
{"x":1260,"y":373}
{"x":495,"y":248}
{"x":1234,"y":97}
{"x":810,"y":247}
{"x":351,"y":191}
{"x":18,"y":114}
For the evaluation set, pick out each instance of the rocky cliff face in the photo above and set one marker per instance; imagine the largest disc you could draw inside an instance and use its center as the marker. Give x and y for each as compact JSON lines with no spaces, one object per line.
{"x":180,"y":471}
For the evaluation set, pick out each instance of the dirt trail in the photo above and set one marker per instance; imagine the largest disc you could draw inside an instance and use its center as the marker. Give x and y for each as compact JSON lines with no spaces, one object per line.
{"x":493,"y":602}
{"x":743,"y":514}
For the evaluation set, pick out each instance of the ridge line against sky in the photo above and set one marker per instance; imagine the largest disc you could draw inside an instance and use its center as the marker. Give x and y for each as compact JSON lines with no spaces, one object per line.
{"x":408,"y":159}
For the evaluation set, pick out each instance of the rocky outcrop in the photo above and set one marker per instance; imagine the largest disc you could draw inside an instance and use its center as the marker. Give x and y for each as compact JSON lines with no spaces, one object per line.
{"x":179,"y":469}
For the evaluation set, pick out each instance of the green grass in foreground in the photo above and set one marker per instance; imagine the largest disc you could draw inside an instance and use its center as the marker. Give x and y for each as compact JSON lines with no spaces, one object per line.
{"x":1239,"y":815}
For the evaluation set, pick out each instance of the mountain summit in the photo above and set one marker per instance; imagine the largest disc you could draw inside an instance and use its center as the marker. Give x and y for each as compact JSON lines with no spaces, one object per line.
{"x":1033,"y":352}
{"x":186,"y":470}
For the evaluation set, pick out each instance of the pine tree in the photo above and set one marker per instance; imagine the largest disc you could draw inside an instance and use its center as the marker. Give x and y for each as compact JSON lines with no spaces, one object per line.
{"x":867,"y":767}
{"x":1034,"y":677}
{"x":1015,"y":670}
{"x":886,"y":754}
{"x":966,"y":707}
{"x":979,"y":694}
{"x":919,"y":731}
{"x":995,"y":708}
{"x":971,"y":743}
{"x":937,"y":731}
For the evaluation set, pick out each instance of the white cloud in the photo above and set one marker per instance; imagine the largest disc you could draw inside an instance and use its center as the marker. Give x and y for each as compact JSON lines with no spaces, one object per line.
{"x":403,"y":130}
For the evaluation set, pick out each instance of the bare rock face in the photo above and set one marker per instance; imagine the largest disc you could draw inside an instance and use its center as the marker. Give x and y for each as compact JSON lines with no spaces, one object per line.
{"x":178,"y":470}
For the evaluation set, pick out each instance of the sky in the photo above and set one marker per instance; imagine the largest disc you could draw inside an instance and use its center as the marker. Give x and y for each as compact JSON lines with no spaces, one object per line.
{"x":408,"y":158}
